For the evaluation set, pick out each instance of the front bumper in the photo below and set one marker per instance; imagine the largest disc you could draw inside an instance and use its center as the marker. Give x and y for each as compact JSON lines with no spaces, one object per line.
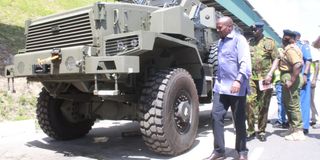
{"x":73,"y":60}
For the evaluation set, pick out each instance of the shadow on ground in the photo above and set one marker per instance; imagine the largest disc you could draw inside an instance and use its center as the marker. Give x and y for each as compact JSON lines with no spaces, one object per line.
{"x":102,"y":143}
{"x":119,"y":141}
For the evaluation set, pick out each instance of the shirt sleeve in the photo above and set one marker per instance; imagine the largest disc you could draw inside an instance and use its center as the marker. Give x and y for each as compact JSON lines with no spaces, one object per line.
{"x":274,"y":52}
{"x":293,"y":57}
{"x":279,"y":53}
{"x":244,"y":59}
{"x":306,"y":53}
{"x":315,"y":54}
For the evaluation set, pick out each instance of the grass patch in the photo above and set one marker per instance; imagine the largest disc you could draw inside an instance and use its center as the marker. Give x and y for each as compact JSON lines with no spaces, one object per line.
{"x":14,"y":13}
{"x":17,"y":107}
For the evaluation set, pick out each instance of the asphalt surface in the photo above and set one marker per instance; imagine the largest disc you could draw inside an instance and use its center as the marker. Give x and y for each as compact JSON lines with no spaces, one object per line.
{"x":23,"y":140}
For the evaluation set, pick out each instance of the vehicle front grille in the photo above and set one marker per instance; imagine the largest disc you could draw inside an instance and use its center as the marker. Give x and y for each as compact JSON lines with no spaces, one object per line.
{"x":65,"y":32}
{"x":123,"y":44}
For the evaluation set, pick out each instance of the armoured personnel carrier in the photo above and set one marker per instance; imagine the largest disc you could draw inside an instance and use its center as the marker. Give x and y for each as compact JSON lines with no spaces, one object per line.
{"x":147,"y":61}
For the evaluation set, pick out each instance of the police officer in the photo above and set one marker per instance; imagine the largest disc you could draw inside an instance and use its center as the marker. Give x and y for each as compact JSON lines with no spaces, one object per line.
{"x":290,"y":63}
{"x":282,"y":120}
{"x":305,"y":92}
{"x":263,"y":52}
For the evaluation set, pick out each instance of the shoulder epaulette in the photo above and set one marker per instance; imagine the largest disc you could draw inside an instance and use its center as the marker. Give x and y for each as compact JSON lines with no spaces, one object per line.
{"x":268,"y":38}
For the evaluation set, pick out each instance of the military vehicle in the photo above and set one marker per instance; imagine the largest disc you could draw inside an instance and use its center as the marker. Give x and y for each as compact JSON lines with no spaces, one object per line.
{"x":147,"y":61}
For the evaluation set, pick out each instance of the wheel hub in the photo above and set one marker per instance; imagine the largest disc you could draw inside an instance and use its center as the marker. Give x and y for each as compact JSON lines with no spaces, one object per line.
{"x":184,"y":111}
{"x":70,"y":110}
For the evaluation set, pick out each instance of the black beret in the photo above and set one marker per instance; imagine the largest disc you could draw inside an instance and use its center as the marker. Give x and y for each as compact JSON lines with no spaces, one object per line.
{"x":257,"y":25}
{"x":297,"y":33}
{"x":290,"y":33}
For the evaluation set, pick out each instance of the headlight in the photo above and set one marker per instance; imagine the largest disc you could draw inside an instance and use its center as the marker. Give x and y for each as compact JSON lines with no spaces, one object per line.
{"x":121,"y":46}
{"x":21,"y":67}
{"x":134,"y":43}
{"x":70,"y":63}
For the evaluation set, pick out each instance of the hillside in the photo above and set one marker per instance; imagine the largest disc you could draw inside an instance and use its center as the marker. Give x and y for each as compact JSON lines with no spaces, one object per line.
{"x":13,"y":14}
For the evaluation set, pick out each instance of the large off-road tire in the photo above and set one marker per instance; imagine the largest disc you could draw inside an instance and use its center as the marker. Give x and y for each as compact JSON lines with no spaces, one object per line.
{"x":53,"y":122}
{"x":169,"y":112}
{"x":213,"y":57}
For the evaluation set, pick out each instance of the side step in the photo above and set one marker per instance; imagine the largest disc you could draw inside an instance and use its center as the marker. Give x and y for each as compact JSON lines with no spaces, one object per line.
{"x":106,"y":92}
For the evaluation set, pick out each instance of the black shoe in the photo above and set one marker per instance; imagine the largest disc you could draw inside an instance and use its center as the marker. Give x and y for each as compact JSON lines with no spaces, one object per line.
{"x":215,"y":156}
{"x":305,"y":131}
{"x":277,"y":124}
{"x":261,"y":137}
{"x":285,"y":125}
{"x":312,"y":123}
{"x":251,"y":136}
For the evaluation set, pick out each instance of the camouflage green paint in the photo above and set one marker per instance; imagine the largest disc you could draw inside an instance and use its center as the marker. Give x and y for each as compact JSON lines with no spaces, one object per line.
{"x":258,"y":107}
{"x":291,"y":100}
{"x":263,"y":53}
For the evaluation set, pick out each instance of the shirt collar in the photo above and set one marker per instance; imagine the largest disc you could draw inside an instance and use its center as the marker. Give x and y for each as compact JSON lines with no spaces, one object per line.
{"x":290,"y":46}
{"x":231,"y":34}
{"x":299,"y":41}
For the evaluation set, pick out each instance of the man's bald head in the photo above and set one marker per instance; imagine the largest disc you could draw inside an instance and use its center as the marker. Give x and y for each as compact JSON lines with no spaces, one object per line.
{"x":316,"y":43}
{"x":224,"y":26}
{"x":225,"y":20}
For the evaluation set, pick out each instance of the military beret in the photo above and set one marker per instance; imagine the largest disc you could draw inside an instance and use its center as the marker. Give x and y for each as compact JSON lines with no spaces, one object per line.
{"x":259,"y":24}
{"x":290,"y":33}
{"x":297,"y":33}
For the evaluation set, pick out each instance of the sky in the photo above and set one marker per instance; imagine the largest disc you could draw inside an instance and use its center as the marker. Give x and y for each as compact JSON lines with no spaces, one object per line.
{"x":297,"y":15}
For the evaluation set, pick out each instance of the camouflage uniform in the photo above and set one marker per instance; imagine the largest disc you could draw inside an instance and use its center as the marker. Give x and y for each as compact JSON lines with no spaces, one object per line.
{"x":291,"y":97}
{"x":263,"y":53}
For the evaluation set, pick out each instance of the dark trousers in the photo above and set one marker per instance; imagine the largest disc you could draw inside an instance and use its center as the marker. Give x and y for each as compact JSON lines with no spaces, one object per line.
{"x":220,"y":107}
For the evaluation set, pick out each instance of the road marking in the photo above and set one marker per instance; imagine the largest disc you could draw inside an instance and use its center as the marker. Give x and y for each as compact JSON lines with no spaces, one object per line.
{"x":256,"y":153}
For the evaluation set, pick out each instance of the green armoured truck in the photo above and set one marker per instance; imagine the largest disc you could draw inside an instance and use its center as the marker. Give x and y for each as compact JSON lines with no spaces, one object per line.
{"x":147,"y":61}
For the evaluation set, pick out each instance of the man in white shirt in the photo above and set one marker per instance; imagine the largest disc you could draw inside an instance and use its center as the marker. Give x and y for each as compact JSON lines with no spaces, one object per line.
{"x":315,"y":54}
{"x":316,"y":43}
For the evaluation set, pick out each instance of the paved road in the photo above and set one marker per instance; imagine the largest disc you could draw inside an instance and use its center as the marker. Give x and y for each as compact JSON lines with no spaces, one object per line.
{"x":23,"y":140}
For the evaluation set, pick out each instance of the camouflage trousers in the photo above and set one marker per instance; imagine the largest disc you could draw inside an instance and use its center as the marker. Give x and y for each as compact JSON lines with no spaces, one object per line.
{"x":257,"y":108}
{"x":291,"y":101}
